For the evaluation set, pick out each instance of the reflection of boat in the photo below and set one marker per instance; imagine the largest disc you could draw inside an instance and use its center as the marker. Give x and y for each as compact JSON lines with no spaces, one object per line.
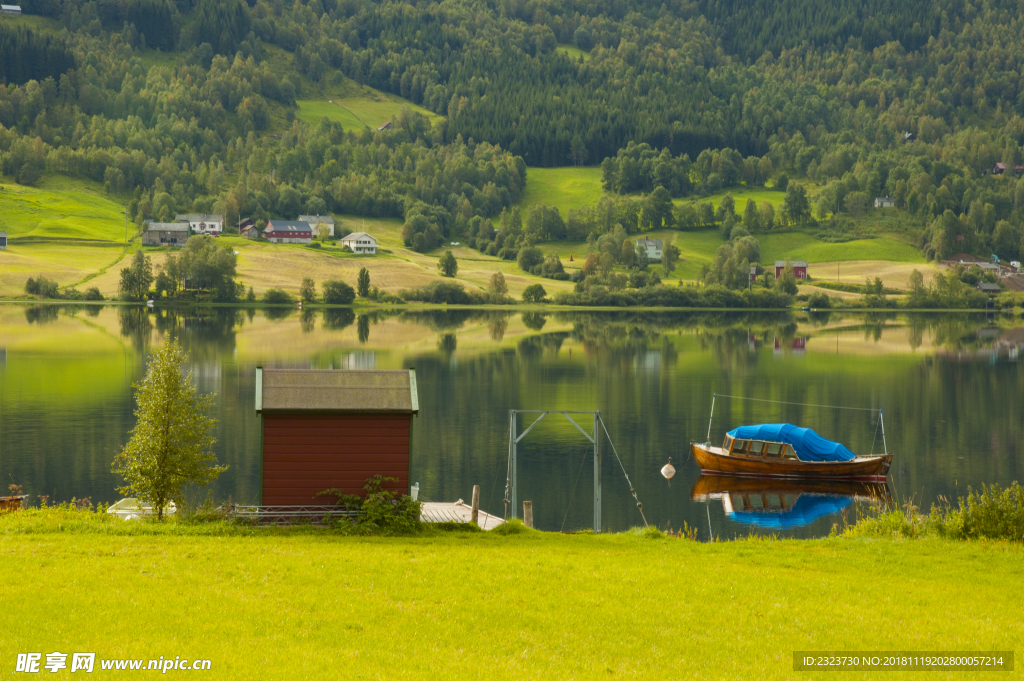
{"x":785,"y":503}
{"x":781,"y":450}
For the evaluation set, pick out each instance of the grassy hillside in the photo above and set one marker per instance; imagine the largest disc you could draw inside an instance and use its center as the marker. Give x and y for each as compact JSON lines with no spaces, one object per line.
{"x":565,"y":188}
{"x":60,"y":208}
{"x":353,"y":105}
{"x":482,"y":604}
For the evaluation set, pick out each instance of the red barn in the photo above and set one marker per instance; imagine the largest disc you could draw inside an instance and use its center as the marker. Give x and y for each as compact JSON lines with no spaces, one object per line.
{"x":325,"y":429}
{"x":799,"y":268}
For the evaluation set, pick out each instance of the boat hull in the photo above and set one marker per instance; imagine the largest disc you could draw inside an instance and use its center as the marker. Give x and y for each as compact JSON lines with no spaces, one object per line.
{"x":715,"y":461}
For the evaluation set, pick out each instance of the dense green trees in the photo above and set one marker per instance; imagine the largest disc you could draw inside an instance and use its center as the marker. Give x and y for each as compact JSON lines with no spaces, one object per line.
{"x":862,"y":99}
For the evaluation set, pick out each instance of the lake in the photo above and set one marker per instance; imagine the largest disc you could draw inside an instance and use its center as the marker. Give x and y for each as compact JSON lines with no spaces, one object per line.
{"x":950,"y":388}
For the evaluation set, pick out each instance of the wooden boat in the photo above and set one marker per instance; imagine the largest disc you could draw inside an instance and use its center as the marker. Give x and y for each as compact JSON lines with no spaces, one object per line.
{"x":768,"y":459}
{"x":12,"y":503}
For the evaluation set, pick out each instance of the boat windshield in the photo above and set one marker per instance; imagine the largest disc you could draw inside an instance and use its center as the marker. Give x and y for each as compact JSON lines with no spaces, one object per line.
{"x":761,"y":449}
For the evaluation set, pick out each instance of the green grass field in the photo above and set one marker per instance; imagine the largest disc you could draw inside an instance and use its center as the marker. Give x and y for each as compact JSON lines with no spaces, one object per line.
{"x":567,"y":188}
{"x":60,"y":208}
{"x":573,"y":52}
{"x":269,"y":604}
{"x":356,"y":107}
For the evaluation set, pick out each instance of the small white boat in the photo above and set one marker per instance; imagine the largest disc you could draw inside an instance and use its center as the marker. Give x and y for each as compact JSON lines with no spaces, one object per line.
{"x":130,"y":509}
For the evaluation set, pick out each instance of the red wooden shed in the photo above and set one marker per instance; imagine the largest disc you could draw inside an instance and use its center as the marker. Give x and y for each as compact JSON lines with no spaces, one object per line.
{"x":799,"y":268}
{"x":323,"y":429}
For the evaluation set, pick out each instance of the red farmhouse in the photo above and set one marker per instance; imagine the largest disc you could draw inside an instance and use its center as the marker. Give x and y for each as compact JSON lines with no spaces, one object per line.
{"x":323,"y":429}
{"x":285,"y":232}
{"x":799,"y":268}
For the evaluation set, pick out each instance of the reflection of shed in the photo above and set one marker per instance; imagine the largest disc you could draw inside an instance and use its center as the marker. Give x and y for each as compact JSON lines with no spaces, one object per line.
{"x":324,"y":429}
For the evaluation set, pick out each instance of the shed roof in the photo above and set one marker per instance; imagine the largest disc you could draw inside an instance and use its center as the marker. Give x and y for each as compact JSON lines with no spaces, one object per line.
{"x":989,"y":288}
{"x":167,"y":227}
{"x":796,"y":263}
{"x":315,"y":219}
{"x":649,"y":242}
{"x":336,"y":390}
{"x":3,"y":234}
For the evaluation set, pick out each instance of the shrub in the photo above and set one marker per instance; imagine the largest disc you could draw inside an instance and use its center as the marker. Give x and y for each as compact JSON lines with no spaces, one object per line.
{"x":380,"y":511}
{"x":445,"y":292}
{"x":93,"y":293}
{"x":307,"y":290}
{"x":534,"y":293}
{"x":529,"y":257}
{"x":276,"y":296}
{"x":42,"y":287}
{"x":819,"y":300}
{"x":338,"y":293}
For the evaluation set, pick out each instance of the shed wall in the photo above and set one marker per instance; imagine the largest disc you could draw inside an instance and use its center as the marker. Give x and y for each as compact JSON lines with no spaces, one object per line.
{"x":307,"y":453}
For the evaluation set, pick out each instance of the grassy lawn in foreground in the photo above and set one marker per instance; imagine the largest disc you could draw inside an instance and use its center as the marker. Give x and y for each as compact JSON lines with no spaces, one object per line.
{"x":487,"y":606}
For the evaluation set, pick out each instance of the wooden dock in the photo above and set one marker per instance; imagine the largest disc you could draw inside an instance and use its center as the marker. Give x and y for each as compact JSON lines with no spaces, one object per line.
{"x":458,"y":512}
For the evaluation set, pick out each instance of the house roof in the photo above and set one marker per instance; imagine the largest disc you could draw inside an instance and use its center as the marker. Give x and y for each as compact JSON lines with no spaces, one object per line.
{"x":199,"y":217}
{"x":884,"y":198}
{"x":314,"y":219}
{"x":384,"y":126}
{"x":10,"y":7}
{"x":796,"y":263}
{"x":649,"y":242}
{"x":287,"y":226}
{"x":358,"y":235}
{"x":336,"y":390}
{"x":167,"y":227}
{"x":985,"y":286}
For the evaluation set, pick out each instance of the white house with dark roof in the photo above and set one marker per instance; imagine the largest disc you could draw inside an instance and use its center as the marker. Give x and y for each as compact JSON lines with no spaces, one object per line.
{"x":652,"y":247}
{"x":314,"y":221}
{"x":360,"y":242}
{"x":203,"y":223}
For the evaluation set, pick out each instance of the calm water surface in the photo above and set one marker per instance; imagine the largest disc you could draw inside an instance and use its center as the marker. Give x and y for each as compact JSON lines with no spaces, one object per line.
{"x":950,"y":386}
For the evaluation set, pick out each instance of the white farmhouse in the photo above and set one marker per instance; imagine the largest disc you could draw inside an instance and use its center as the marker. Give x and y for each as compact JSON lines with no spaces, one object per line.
{"x":652,"y":246}
{"x":360,"y":242}
{"x":203,"y":223}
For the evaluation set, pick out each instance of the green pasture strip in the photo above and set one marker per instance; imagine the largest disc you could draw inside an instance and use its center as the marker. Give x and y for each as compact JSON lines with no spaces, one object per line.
{"x":59,"y":208}
{"x":261,"y":603}
{"x":567,"y":188}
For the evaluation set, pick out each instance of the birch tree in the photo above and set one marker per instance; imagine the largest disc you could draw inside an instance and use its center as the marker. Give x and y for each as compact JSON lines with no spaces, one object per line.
{"x":170,"y":444}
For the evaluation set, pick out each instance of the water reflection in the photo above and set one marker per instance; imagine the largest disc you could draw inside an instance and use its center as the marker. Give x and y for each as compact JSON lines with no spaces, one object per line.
{"x":950,"y":386}
{"x":785,"y":504}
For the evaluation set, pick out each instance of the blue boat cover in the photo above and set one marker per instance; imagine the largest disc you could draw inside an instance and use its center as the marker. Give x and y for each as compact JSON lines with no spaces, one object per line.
{"x":805,"y":511}
{"x":808,"y":445}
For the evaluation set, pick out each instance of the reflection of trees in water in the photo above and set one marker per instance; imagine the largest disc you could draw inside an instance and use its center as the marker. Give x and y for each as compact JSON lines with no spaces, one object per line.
{"x":337,"y":318}
{"x":497,"y":326}
{"x":204,"y":332}
{"x":534,"y":320}
{"x":532,"y":347}
{"x":92,"y":310}
{"x":307,"y":321}
{"x":41,"y":314}
{"x":443,"y":320}
{"x":251,"y":314}
{"x":363,"y":328}
{"x":447,"y":343}
{"x":135,"y":325}
{"x":275,"y":313}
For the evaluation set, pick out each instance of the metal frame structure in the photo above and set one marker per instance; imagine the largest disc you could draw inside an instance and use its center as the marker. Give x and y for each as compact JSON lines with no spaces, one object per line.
{"x":288,"y":514}
{"x":513,"y":440}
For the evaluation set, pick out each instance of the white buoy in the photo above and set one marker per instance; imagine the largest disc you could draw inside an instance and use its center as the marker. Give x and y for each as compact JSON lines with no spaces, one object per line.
{"x":668,"y":470}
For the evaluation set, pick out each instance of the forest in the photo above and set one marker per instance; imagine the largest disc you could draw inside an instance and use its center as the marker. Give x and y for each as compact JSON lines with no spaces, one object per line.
{"x":183,"y":105}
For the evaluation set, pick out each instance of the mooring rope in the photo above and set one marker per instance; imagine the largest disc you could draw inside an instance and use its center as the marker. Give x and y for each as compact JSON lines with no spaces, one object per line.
{"x":799,"y":404}
{"x":632,"y":491}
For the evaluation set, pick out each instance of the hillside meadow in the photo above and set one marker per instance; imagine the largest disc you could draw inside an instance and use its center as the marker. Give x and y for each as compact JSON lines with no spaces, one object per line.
{"x":297,"y":604}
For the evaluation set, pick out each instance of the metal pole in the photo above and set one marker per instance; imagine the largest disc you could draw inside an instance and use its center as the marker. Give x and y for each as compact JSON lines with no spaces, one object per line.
{"x":512,"y":444}
{"x":884,"y":446}
{"x":597,"y":477}
{"x":712,"y":415}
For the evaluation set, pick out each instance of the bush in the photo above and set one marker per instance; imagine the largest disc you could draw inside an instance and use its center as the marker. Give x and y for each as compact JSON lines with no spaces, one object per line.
{"x":445,"y":292}
{"x":529,"y":257}
{"x":276,"y":296}
{"x":42,"y":287}
{"x":534,"y":293}
{"x":338,"y":293}
{"x":93,"y":293}
{"x":819,"y":300}
{"x":380,"y":511}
